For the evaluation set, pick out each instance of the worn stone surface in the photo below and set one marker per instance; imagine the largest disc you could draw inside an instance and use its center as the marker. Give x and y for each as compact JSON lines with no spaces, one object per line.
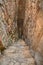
{"x":17,"y":54}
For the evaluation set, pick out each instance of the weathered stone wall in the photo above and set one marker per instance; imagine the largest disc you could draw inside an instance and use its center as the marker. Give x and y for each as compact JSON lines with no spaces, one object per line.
{"x":33,"y":29}
{"x":8,"y":14}
{"x":33,"y":23}
{"x":30,"y":20}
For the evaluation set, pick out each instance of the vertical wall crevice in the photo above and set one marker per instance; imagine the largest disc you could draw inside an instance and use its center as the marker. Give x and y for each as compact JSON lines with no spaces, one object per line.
{"x":20,"y":17}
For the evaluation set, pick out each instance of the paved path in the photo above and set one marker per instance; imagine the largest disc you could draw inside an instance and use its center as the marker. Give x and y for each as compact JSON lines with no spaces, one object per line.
{"x":17,"y":54}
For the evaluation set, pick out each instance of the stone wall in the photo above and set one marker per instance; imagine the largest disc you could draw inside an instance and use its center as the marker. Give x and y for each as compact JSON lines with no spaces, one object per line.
{"x":30,"y":20}
{"x":8,"y":14}
{"x":33,"y":23}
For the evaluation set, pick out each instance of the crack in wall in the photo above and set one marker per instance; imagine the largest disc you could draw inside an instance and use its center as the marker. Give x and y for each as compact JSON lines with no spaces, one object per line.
{"x":21,"y":15}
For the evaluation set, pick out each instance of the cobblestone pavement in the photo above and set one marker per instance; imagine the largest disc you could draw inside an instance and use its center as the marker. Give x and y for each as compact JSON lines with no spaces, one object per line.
{"x":17,"y":54}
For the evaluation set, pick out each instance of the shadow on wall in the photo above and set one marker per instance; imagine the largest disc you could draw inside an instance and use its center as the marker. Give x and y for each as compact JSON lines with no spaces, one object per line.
{"x":20,"y":17}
